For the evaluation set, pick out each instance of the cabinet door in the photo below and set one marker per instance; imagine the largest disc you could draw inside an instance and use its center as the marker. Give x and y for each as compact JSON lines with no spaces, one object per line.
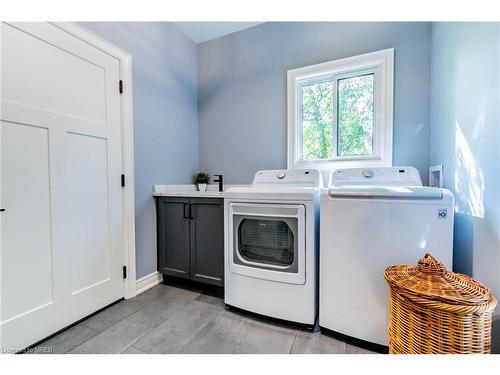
{"x":173,"y":236}
{"x":207,"y":240}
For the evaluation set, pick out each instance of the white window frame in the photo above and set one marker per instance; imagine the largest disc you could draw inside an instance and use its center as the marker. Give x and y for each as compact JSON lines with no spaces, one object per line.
{"x":381,"y":63}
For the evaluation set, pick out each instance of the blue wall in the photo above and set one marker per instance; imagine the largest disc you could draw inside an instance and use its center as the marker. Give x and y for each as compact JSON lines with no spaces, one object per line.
{"x":242,"y":89}
{"x":221,"y":106}
{"x":165,"y":116}
{"x":465,"y":138}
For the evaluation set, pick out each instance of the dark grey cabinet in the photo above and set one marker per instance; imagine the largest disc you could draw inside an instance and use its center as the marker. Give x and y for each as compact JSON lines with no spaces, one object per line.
{"x":173,"y":236}
{"x":207,"y":240}
{"x":191,"y":238}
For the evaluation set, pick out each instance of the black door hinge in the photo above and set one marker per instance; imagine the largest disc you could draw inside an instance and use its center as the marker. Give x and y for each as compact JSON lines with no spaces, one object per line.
{"x":124,"y":272}
{"x":123,"y":180}
{"x":120,"y":85}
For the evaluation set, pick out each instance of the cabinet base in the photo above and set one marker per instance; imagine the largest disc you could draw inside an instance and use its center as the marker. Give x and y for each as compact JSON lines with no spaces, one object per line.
{"x":195,"y":286}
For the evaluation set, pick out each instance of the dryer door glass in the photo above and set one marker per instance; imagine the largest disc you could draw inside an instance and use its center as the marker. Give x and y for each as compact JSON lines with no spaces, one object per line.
{"x":267,"y":242}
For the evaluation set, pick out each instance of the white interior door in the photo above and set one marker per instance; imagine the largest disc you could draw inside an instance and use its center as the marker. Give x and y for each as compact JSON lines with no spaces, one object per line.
{"x":61,"y":231}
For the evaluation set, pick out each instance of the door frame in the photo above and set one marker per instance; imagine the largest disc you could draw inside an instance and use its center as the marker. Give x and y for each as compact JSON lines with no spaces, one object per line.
{"x":127,"y":138}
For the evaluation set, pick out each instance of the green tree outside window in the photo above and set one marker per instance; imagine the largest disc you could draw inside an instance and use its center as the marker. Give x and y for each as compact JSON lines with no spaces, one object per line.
{"x":355,"y":118}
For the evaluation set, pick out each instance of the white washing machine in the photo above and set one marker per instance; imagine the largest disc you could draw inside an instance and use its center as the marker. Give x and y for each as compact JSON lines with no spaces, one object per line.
{"x":372,"y":219}
{"x":271,"y":245}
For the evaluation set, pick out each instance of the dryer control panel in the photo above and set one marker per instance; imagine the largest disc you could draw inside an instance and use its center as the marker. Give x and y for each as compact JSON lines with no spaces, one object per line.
{"x":383,"y":176}
{"x":289,"y":177}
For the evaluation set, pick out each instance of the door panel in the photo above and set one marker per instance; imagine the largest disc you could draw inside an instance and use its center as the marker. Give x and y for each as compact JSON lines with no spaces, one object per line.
{"x":61,"y":167}
{"x":87,"y":210}
{"x":207,"y":240}
{"x":81,"y":86}
{"x":28,"y":228}
{"x":173,"y":237}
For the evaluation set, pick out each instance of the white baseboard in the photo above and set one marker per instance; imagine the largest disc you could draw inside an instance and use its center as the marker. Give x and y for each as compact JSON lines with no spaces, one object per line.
{"x":148,"y":281}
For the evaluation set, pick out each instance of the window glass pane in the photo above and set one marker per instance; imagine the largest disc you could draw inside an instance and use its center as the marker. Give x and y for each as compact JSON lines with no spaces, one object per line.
{"x":355,"y":115}
{"x":266,"y":241}
{"x":317,"y":121}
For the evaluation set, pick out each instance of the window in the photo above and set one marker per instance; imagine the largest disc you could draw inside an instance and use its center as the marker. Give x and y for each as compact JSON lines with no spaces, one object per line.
{"x":340,"y":112}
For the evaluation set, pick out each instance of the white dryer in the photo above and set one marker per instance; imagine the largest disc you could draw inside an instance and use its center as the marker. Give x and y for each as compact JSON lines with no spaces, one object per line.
{"x":271,"y":245}
{"x":372,"y":219}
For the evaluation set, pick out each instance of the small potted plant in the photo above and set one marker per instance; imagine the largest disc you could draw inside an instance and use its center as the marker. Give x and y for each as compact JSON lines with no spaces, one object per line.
{"x":201,"y":179}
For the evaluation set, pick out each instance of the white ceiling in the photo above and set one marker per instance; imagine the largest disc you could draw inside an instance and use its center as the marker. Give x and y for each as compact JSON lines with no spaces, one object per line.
{"x":202,"y":31}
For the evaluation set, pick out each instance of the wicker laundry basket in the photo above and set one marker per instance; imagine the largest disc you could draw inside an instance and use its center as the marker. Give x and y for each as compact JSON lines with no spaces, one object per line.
{"x":434,"y":311}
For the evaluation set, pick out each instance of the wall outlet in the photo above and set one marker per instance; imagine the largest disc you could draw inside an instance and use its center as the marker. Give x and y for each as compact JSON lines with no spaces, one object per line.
{"x":436,"y":176}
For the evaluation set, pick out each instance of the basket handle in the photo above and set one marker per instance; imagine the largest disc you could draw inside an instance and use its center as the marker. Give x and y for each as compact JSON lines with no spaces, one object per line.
{"x":429,"y":264}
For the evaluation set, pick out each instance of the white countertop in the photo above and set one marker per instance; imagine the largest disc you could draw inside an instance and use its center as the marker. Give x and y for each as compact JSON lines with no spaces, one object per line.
{"x":189,"y":190}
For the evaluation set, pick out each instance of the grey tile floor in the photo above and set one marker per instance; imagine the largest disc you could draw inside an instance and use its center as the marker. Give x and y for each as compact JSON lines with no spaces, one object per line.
{"x":167,"y":319}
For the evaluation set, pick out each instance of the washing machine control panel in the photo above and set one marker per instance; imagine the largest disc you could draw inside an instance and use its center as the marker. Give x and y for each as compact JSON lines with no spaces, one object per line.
{"x":290,"y":177}
{"x":392,"y":176}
